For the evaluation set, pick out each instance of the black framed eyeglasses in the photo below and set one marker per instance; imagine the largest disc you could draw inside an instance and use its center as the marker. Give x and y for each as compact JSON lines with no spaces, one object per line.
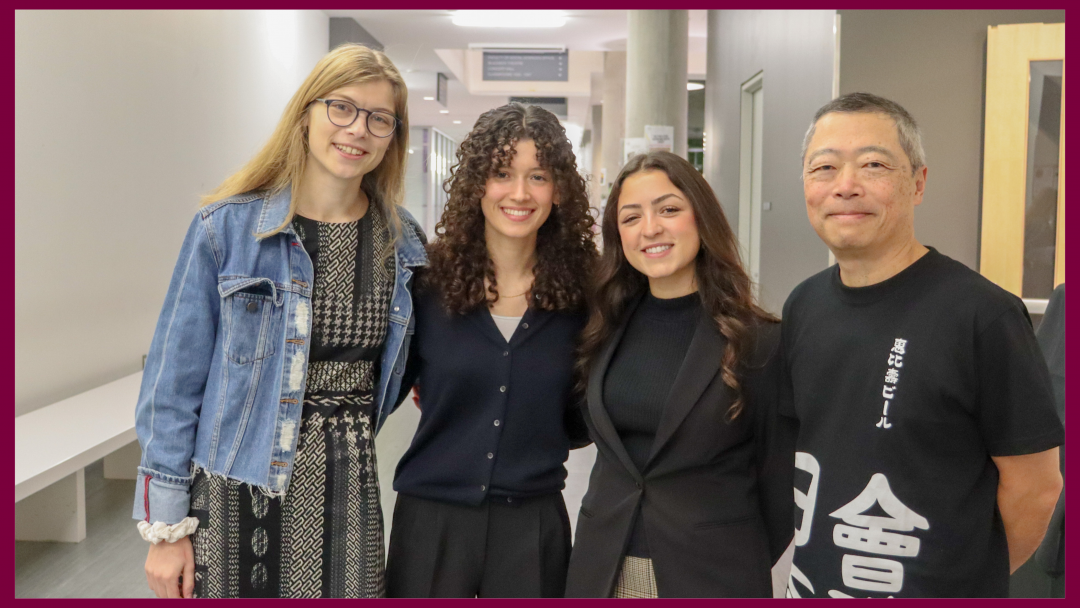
{"x":344,"y":113}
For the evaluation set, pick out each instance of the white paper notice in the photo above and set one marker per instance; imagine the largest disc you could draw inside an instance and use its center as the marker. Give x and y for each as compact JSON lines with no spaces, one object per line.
{"x":661,"y":137}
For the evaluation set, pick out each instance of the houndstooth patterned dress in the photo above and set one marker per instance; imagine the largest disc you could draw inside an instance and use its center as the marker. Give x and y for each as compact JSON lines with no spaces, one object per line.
{"x":324,"y":538}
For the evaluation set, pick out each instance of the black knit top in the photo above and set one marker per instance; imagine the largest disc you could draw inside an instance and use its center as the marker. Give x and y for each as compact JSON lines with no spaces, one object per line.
{"x":641,"y":375}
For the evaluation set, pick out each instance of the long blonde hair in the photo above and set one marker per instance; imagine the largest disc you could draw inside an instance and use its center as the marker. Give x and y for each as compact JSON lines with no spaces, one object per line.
{"x":282,"y":161}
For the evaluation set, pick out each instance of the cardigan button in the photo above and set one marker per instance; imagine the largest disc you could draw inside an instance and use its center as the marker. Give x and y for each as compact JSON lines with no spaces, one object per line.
{"x":497,"y":423}
{"x":490,"y":455}
{"x":483,"y":488}
{"x":506,"y":353}
{"x":524,"y":326}
{"x":502,"y":389}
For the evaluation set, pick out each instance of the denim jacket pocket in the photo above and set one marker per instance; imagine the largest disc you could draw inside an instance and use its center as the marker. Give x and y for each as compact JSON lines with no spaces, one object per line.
{"x":250,"y":314}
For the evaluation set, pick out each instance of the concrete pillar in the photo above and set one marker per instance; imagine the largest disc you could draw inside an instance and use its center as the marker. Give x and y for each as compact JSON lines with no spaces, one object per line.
{"x":613,"y":117}
{"x":656,"y":48}
{"x":714,"y":115}
{"x":596,"y":158}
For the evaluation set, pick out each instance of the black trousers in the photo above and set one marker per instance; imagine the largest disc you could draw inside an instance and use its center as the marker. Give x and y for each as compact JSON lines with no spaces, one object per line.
{"x":505,"y":547}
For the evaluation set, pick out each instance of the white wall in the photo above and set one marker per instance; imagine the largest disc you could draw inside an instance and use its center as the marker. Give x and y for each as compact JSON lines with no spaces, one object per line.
{"x":122,"y":118}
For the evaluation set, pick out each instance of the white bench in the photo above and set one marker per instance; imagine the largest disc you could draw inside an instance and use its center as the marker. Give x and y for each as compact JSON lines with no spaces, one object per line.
{"x":54,"y":443}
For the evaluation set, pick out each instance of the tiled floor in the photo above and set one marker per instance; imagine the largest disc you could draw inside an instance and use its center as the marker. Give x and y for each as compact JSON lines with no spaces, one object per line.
{"x":109,"y":563}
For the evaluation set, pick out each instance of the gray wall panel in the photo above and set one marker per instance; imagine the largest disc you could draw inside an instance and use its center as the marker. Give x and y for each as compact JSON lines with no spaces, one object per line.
{"x":934,"y":63}
{"x":795,"y":49}
{"x":346,"y":29}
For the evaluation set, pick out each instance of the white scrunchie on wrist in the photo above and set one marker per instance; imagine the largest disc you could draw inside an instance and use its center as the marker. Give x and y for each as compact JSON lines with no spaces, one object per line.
{"x":161,"y":531}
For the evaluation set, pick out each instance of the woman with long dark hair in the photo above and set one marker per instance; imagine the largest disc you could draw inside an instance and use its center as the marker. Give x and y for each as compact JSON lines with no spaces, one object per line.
{"x":479,"y":509}
{"x":691,"y":494}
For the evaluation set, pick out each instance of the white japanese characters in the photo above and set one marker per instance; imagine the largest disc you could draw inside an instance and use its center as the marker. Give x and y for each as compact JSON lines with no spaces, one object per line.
{"x":805,"y":501}
{"x":870,"y":541}
{"x":892,"y":379}
{"x":870,"y":534}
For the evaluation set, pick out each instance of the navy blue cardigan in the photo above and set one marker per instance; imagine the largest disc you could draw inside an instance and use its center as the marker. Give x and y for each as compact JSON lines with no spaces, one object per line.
{"x":496,"y":418}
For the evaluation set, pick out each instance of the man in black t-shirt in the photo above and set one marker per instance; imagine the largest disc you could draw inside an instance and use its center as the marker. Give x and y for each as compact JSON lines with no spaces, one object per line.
{"x":927,"y":453}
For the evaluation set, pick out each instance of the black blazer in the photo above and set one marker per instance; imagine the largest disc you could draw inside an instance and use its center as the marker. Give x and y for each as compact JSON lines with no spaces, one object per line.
{"x":716,"y":497}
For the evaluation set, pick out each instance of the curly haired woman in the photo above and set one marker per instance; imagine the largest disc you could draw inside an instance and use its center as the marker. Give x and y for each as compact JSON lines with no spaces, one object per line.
{"x":479,"y":509}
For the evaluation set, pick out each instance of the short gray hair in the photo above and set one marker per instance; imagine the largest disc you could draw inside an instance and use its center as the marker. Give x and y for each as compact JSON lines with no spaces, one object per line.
{"x":854,"y":103}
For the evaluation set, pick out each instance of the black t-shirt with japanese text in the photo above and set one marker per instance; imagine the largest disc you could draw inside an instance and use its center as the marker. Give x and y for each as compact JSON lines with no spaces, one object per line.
{"x":904,"y":390}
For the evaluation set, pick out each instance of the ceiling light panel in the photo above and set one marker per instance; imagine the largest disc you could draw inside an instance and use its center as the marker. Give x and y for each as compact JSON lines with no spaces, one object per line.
{"x":509,"y":19}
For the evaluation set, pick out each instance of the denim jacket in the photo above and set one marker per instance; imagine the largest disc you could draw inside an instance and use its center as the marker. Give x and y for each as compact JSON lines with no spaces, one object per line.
{"x":223,"y":385}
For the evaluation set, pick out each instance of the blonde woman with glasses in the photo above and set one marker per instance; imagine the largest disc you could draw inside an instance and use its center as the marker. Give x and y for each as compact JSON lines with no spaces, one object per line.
{"x":280,"y":351}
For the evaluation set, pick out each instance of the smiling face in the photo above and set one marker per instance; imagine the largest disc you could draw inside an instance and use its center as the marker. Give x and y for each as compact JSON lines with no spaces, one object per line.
{"x":658,"y":232}
{"x":517,"y":199}
{"x":347,"y":153}
{"x":860,"y":190}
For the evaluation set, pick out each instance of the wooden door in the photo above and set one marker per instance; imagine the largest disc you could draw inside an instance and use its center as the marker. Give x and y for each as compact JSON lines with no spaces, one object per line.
{"x":1018,"y":57}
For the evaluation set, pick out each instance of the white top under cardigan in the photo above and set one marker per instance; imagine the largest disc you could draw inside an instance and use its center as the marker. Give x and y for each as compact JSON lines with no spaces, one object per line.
{"x":506,"y":325}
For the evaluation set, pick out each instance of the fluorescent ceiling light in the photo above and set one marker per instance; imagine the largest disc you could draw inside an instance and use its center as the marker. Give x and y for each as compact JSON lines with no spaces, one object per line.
{"x":457,"y":122}
{"x":444,"y":111}
{"x":429,"y":98}
{"x":694,"y":86}
{"x":515,"y":19}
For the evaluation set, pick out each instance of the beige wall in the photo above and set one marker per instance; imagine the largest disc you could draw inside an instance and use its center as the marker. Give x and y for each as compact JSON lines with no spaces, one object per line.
{"x":122,"y":118}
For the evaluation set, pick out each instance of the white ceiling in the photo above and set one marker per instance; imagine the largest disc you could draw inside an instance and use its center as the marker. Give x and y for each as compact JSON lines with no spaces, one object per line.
{"x":410,"y":38}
